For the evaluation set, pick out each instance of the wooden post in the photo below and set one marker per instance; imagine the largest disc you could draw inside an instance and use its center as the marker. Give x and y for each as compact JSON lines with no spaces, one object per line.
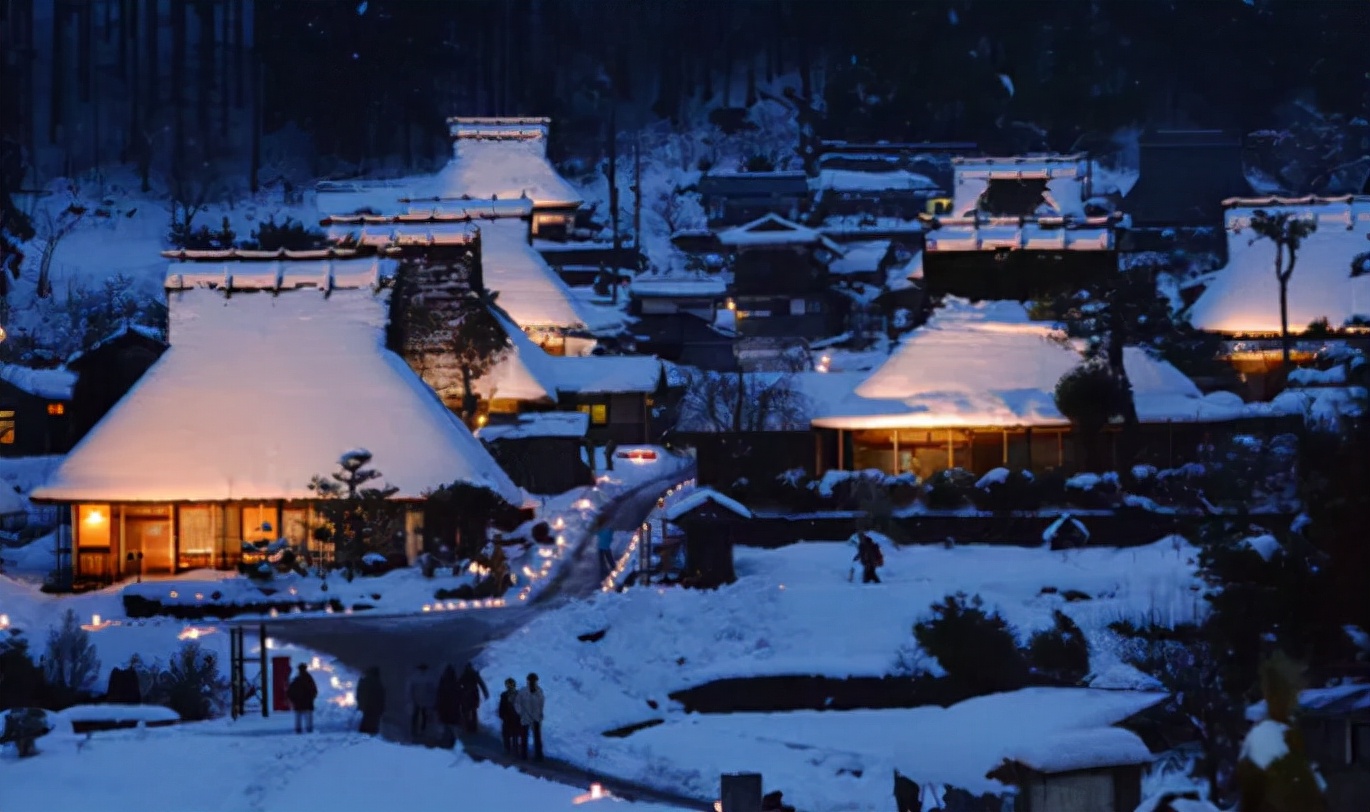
{"x":261,"y":634}
{"x":1005,"y":448}
{"x":1060,"y":449}
{"x":951,"y":450}
{"x":1027,"y":440}
{"x":894,"y":435}
{"x":841,"y":446}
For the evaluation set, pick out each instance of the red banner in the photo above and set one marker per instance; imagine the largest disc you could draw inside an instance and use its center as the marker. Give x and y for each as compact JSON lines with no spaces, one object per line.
{"x":280,"y":683}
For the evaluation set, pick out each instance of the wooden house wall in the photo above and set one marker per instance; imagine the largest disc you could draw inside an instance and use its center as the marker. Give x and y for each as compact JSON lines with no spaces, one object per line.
{"x":627,"y":416}
{"x":783,"y":270}
{"x":1016,"y":275}
{"x":35,"y":430}
{"x":1106,"y":789}
{"x":544,"y":465}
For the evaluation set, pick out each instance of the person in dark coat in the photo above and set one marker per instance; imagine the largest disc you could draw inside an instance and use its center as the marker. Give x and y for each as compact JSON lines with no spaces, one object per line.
{"x":868,"y":553}
{"x":301,"y":692}
{"x":450,"y":698}
{"x":511,"y":726}
{"x":473,"y":689}
{"x":371,"y":700}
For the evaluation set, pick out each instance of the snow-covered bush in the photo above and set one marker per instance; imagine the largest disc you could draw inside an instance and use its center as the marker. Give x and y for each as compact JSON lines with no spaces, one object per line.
{"x":949,"y":489}
{"x":1060,"y":652}
{"x":1002,"y":489}
{"x":1093,"y":490}
{"x":975,"y":648}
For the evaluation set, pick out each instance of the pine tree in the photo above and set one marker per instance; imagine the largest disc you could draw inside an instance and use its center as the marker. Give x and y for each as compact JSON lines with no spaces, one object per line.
{"x":70,"y":663}
{"x":358,"y":518}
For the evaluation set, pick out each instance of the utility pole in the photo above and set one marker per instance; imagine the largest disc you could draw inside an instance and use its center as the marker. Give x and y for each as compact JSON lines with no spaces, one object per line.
{"x":613,"y":171}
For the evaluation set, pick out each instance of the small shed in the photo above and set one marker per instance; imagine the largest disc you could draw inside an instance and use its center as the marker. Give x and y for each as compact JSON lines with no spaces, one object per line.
{"x":1335,"y":723}
{"x":709,"y":520}
{"x":541,"y":451}
{"x":1087,"y":770}
{"x":34,"y":407}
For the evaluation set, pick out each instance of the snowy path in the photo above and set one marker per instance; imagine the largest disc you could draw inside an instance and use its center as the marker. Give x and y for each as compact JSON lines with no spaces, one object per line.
{"x":398,"y":644}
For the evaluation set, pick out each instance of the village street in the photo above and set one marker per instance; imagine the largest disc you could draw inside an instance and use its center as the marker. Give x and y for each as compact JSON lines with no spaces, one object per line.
{"x":398,"y":644}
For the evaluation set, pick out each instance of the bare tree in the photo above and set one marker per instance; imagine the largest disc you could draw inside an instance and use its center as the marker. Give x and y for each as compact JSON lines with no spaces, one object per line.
{"x":53,"y":227}
{"x":1287,"y":230}
{"x":190,"y":194}
{"x":756,"y":401}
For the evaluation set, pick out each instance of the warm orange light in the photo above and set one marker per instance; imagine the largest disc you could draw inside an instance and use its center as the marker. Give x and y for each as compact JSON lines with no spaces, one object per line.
{"x":94,"y":518}
{"x":57,"y":409}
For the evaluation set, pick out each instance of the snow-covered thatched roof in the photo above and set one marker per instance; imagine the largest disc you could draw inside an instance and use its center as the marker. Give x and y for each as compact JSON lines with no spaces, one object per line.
{"x":502,"y":158}
{"x":988,"y":365}
{"x":258,"y":393}
{"x":1244,"y":295}
{"x":530,"y":291}
{"x":855,"y":180}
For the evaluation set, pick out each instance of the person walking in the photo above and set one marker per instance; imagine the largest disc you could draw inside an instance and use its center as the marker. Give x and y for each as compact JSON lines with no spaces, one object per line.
{"x":868,"y":553}
{"x":529,"y":704}
{"x":370,"y":701}
{"x":511,"y":726}
{"x":604,"y":541}
{"x":423,"y":696}
{"x":472,"y":689}
{"x":450,"y":708}
{"x":301,"y":692}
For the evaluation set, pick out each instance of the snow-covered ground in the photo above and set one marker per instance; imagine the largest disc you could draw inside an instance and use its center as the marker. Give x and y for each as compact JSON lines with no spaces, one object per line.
{"x":798,"y":611}
{"x":226,"y":766}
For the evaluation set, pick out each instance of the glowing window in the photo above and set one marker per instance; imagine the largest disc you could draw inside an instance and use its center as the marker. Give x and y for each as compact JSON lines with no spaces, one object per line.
{"x":57,"y":409}
{"x":259,"y":523}
{"x":93,"y":522}
{"x":7,"y":425}
{"x":599,"y":412}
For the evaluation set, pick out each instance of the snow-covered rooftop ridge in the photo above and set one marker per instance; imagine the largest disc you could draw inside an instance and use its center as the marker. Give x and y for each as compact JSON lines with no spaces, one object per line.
{"x":669,"y":285}
{"x":779,"y":173}
{"x":127,"y":328}
{"x":473,"y":208}
{"x":856,"y":180}
{"x":989,"y":365}
{"x":320,"y":270}
{"x":50,"y":384}
{"x":969,"y":234}
{"x":1243,"y":297}
{"x":772,"y":229}
{"x":1021,"y":167}
{"x":860,"y":257}
{"x":1069,"y":750}
{"x":258,"y":394}
{"x":702,"y":496}
{"x":499,"y":128}
{"x":536,"y":424}
{"x":395,"y":235}
{"x":523,"y":372}
{"x":501,"y":162}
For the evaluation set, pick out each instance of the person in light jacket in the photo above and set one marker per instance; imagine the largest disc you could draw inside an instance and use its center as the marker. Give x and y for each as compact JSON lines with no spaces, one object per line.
{"x":423,"y":700}
{"x":529,"y":704}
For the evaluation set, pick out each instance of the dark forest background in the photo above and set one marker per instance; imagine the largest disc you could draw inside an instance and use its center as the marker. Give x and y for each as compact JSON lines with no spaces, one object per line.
{"x":257,"y":87}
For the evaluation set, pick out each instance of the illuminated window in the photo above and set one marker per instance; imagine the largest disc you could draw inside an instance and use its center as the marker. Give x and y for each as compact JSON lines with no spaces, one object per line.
{"x":7,"y":427}
{"x":599,"y":412}
{"x":259,"y":523}
{"x":57,"y":409}
{"x":93,"y":523}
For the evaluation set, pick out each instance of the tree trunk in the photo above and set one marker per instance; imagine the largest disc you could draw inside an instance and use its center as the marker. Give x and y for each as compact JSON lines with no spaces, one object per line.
{"x":236,"y":7}
{"x":178,"y":68}
{"x":204,"y":85}
{"x":226,"y":33}
{"x":152,"y":62}
{"x":613,"y":172}
{"x":1284,"y":321}
{"x":85,"y":57}
{"x":1130,"y":442}
{"x":741,"y":399}
{"x":255,"y":160}
{"x":55,"y":97}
